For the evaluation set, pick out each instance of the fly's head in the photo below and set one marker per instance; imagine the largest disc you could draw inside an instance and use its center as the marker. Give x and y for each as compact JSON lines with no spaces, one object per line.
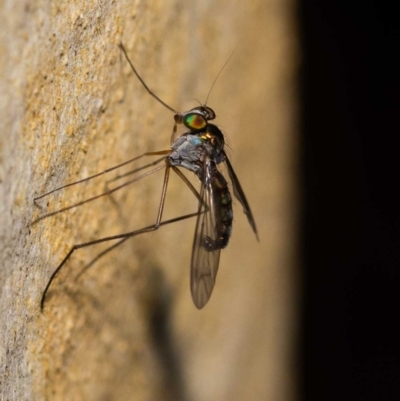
{"x":195,"y":119}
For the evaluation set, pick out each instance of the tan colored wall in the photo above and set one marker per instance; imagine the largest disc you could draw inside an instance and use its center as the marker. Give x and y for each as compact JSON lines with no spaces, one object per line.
{"x":70,"y":107}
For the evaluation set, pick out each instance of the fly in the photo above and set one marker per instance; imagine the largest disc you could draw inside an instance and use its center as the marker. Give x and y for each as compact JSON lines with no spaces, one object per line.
{"x":201,"y":150}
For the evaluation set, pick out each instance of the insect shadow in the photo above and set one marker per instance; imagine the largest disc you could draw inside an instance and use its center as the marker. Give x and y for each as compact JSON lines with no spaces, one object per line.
{"x":201,"y":150}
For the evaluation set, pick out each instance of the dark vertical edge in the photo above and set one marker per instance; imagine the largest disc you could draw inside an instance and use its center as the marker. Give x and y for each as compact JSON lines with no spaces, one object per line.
{"x":350,"y":233}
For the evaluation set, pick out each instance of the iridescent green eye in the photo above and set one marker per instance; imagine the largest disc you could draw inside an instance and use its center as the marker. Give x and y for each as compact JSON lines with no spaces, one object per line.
{"x":194,"y":121}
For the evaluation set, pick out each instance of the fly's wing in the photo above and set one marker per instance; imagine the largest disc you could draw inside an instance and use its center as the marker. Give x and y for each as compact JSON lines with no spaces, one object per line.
{"x":240,"y":196}
{"x":204,"y":266}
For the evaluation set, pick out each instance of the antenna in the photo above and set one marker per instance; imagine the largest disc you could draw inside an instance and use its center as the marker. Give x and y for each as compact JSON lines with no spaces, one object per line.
{"x":215,"y":80}
{"x":121,"y":46}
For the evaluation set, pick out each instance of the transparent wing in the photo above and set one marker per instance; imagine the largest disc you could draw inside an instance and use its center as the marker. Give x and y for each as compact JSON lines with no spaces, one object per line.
{"x":240,"y":196}
{"x":205,"y":256}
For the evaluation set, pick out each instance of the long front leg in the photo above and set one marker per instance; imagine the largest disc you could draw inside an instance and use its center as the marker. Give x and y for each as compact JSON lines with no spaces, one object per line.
{"x":162,"y":152}
{"x":108,"y":191}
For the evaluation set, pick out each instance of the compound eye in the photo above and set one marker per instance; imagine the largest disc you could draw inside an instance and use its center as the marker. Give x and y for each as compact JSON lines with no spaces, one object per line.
{"x":194,"y":121}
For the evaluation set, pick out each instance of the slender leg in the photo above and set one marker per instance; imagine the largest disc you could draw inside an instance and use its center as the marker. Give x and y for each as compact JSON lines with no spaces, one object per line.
{"x":162,"y":152}
{"x":173,"y":133}
{"x":136,"y":170}
{"x":121,"y":46}
{"x":187,"y":182}
{"x":109,"y":249}
{"x":119,"y":236}
{"x":107,"y":192}
{"x":118,"y":177}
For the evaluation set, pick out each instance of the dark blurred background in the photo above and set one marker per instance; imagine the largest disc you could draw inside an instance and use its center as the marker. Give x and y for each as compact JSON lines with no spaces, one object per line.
{"x":350,"y":237}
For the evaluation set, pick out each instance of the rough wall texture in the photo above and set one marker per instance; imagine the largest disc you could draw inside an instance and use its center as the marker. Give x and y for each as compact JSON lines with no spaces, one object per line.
{"x":70,"y":107}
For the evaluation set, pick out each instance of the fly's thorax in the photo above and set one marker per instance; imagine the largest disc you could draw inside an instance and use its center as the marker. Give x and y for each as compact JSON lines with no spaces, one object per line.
{"x":188,"y":152}
{"x":214,"y":143}
{"x":191,"y":149}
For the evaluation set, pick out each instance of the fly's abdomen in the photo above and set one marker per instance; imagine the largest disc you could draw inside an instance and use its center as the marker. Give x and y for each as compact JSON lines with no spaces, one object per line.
{"x":223,"y":213}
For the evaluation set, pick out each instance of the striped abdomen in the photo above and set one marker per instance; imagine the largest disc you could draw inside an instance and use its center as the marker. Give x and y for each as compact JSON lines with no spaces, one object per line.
{"x":223,"y":212}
